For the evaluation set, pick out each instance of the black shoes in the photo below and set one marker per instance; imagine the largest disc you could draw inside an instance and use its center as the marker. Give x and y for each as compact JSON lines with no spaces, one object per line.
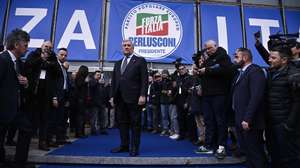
{"x":120,"y":150}
{"x":11,"y":143}
{"x":63,"y":142}
{"x":133,"y":153}
{"x":103,"y":132}
{"x":43,"y":146}
{"x":19,"y":165}
{"x":52,"y":144}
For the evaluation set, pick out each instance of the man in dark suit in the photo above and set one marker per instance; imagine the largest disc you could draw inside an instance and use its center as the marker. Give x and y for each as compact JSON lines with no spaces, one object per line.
{"x":12,"y":86}
{"x":58,"y":121}
{"x":248,"y":91}
{"x":129,"y":89}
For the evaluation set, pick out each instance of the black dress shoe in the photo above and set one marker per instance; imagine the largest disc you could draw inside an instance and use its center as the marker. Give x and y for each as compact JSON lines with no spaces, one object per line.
{"x":63,"y":142}
{"x":44,"y":147}
{"x":133,"y":153}
{"x":21,"y":165}
{"x":81,"y":136}
{"x":52,"y":144}
{"x":11,"y":143}
{"x":119,"y":150}
{"x":103,"y":132}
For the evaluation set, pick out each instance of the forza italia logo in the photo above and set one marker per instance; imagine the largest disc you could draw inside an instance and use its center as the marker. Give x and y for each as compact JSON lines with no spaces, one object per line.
{"x":154,"y":29}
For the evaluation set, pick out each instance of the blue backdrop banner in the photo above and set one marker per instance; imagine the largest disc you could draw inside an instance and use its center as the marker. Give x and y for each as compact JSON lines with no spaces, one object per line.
{"x":266,"y":20}
{"x":160,"y":31}
{"x":78,"y":28}
{"x":222,"y":24}
{"x":34,"y":18}
{"x":3,"y":4}
{"x":293,"y":21}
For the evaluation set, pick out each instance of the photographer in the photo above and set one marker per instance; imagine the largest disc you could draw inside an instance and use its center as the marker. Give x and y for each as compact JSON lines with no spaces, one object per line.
{"x":283,"y":136}
{"x":43,"y":69}
{"x":195,"y":114}
{"x":216,"y":77}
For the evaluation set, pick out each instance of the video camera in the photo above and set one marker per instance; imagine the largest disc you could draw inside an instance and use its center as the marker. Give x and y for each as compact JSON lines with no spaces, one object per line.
{"x":281,"y":40}
{"x":177,"y":62}
{"x":197,"y":56}
{"x":152,"y":72}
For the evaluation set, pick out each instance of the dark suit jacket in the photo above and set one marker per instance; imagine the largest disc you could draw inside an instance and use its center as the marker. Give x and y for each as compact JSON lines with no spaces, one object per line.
{"x":248,"y":97}
{"x":9,"y":89}
{"x":62,"y":95}
{"x":132,"y":83}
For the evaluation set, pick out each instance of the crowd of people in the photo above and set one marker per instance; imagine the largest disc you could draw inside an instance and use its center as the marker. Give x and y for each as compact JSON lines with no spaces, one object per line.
{"x":257,"y":108}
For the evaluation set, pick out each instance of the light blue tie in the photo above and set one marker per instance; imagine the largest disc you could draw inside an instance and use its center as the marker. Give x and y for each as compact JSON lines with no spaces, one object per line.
{"x":240,"y":75}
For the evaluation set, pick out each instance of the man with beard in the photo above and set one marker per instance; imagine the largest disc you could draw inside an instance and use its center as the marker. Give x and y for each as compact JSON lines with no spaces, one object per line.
{"x":248,"y":90}
{"x":283,"y":101}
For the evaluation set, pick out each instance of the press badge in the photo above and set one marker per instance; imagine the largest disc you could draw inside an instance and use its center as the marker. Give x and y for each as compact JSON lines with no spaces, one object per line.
{"x":43,"y":74}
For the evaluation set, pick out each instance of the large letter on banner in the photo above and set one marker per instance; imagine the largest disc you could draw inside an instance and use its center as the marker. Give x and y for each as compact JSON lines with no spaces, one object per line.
{"x":266,"y":20}
{"x":34,"y":18}
{"x":3,"y":4}
{"x":160,"y":32}
{"x":221,"y":23}
{"x":78,"y":28}
{"x":293,"y":21}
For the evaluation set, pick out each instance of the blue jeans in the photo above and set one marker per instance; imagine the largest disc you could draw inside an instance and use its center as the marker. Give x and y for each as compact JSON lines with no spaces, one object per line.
{"x":174,"y":121}
{"x":149,"y":116}
{"x":165,"y":116}
{"x":93,"y":116}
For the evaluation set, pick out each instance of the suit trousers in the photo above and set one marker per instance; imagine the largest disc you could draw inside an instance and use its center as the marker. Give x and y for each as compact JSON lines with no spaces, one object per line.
{"x":23,"y":141}
{"x":252,"y":144}
{"x":129,"y":118}
{"x":57,"y":123}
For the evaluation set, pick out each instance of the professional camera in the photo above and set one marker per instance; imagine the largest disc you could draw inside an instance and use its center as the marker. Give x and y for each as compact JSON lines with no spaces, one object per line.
{"x":197,"y":56}
{"x":177,"y":62}
{"x":152,"y":72}
{"x":281,"y":40}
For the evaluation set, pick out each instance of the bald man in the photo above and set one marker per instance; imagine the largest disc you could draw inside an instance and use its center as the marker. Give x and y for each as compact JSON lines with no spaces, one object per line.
{"x":43,"y":70}
{"x":216,"y":77}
